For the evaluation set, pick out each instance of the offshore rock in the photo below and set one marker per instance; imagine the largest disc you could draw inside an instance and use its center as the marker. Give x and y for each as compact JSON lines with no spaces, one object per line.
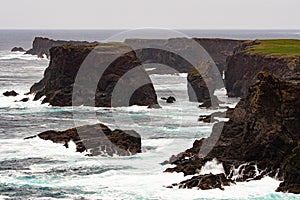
{"x":98,"y":139}
{"x":59,"y":78}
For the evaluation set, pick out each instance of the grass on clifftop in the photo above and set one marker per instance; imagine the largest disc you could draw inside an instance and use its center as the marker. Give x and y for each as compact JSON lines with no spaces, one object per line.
{"x":280,"y":47}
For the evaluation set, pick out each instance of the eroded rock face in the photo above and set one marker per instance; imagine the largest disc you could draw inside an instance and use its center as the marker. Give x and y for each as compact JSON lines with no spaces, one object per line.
{"x":41,"y":46}
{"x":243,"y":66}
{"x":58,"y":82}
{"x":98,"y":139}
{"x":219,"y":50}
{"x":291,"y":175}
{"x":259,"y":138}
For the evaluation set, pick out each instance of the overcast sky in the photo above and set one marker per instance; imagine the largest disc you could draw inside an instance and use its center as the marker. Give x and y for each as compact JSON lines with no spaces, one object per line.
{"x":175,"y":14}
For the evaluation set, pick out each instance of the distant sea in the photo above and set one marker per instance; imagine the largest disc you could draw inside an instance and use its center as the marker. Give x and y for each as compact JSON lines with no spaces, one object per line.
{"x":36,"y":169}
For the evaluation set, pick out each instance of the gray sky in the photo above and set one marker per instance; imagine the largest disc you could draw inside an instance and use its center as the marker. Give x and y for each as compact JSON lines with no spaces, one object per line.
{"x":176,"y":14}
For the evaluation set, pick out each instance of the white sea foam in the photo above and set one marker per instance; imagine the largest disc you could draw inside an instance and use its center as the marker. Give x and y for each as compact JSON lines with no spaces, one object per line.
{"x":19,"y":55}
{"x":213,"y":166}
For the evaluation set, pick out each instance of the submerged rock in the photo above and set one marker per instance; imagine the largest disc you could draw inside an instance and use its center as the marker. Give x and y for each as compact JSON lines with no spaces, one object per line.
{"x":10,"y":93}
{"x":258,"y":139}
{"x":20,"y":49}
{"x":23,"y":100}
{"x":170,"y":99}
{"x":98,"y":139}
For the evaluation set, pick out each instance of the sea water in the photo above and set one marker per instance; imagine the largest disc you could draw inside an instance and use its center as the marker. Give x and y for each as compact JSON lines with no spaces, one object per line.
{"x":37,"y":169}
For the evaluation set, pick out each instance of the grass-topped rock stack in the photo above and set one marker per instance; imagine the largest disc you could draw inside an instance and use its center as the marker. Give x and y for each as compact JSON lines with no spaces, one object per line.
{"x":278,"y":57}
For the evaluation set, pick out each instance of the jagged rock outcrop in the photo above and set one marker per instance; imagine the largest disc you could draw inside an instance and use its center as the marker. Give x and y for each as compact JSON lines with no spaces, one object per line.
{"x":98,"y":139}
{"x":205,"y":182}
{"x":261,"y":137}
{"x":58,"y":82}
{"x":18,"y":49}
{"x":41,"y":46}
{"x":243,"y":66}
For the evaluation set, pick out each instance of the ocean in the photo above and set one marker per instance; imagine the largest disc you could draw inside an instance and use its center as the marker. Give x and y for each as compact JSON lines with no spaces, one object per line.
{"x":37,"y":169}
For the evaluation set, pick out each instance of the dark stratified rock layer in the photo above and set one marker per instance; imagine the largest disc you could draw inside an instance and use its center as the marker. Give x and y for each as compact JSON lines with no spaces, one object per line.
{"x":98,"y":139}
{"x":59,"y":78}
{"x":259,"y":139}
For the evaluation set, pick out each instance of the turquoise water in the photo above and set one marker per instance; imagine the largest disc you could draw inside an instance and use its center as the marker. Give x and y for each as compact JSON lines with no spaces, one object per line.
{"x":36,"y":169}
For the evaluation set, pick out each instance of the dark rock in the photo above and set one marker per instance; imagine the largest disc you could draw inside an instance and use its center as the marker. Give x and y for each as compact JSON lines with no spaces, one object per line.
{"x":258,"y":139}
{"x":10,"y":93}
{"x":291,"y":176}
{"x":58,"y":82}
{"x":170,"y":99}
{"x":20,"y":49}
{"x":23,"y":100}
{"x":155,"y":106}
{"x":41,"y":46}
{"x":206,"y":182}
{"x":98,"y":139}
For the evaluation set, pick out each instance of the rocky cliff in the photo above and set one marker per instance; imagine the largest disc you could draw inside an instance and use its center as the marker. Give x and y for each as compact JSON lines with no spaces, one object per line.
{"x":58,"y":82}
{"x":219,"y":50}
{"x":168,"y":52}
{"x":41,"y":46}
{"x":279,"y":57}
{"x":97,"y":139}
{"x":261,"y":137}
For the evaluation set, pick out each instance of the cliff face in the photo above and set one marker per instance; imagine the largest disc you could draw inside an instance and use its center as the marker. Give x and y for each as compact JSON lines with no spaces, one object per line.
{"x":219,"y":50}
{"x":259,"y":138}
{"x":243,"y":65}
{"x":41,"y":46}
{"x":58,"y":82}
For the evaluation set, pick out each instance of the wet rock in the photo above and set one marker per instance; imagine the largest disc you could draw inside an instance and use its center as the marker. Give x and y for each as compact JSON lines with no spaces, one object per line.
{"x":98,"y":139}
{"x":206,"y":182}
{"x":170,"y":99}
{"x":155,"y":106}
{"x":23,"y":100}
{"x":10,"y":93}
{"x":20,"y":49}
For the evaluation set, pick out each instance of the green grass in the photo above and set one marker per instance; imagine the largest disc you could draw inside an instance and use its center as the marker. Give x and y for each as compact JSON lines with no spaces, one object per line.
{"x":280,"y":48}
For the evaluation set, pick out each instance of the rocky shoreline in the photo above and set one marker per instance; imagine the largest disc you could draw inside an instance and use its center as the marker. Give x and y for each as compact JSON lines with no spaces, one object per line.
{"x":260,"y":139}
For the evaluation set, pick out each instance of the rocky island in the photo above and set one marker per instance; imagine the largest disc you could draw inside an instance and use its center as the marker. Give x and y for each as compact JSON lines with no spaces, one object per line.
{"x":57,"y":84}
{"x":96,"y":140}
